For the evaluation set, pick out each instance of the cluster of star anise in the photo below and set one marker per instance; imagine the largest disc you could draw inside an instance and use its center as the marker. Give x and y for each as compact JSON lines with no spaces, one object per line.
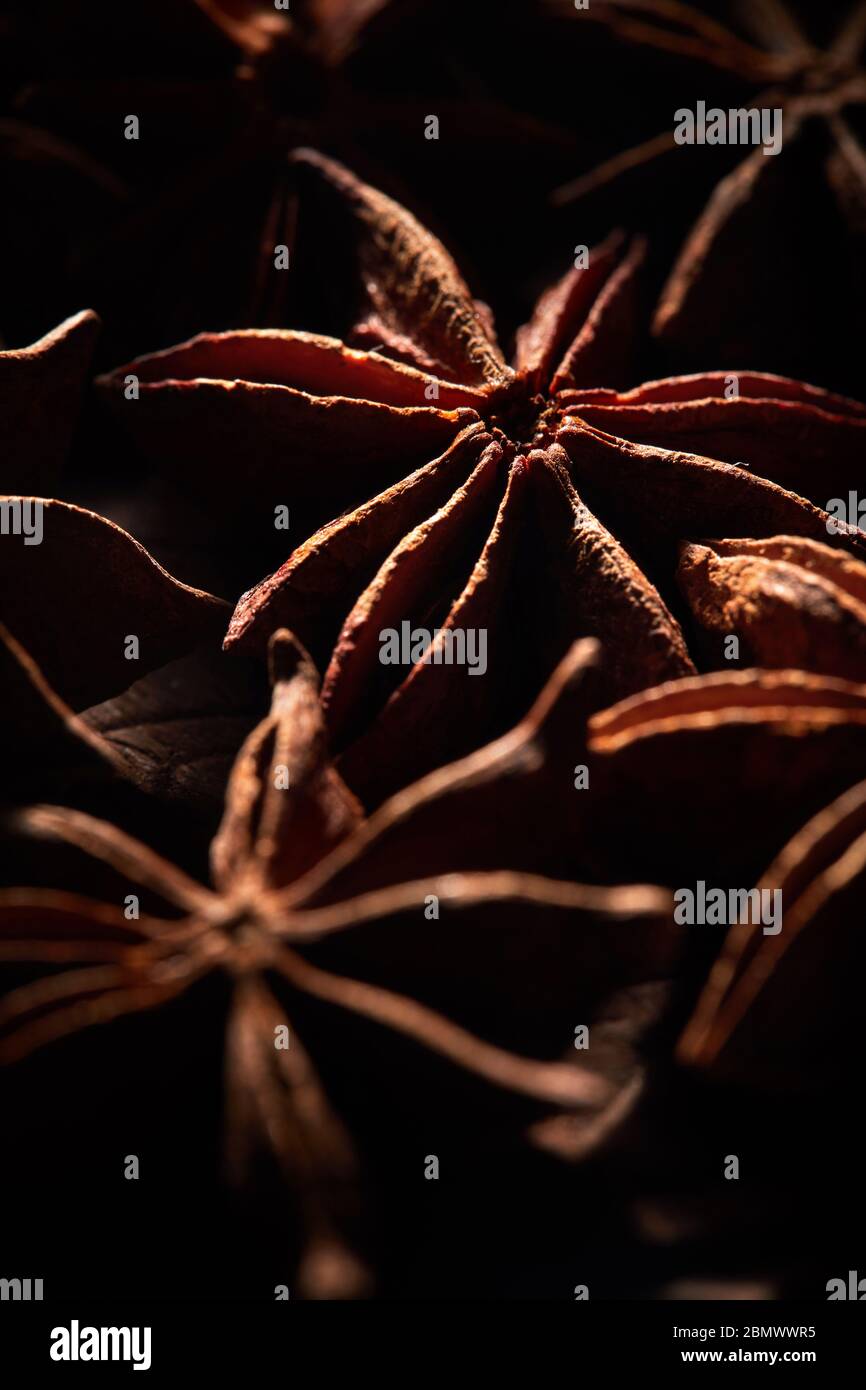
{"x":442,"y":925}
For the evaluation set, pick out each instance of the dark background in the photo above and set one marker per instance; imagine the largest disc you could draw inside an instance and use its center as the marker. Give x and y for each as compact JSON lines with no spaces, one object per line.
{"x":161,"y":237}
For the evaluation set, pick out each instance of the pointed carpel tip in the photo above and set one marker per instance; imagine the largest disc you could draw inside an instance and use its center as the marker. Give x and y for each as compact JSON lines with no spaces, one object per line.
{"x":305,"y":154}
{"x":695,"y":552}
{"x":613,"y":246}
{"x":307,"y":158}
{"x":288,"y":657}
{"x":331,"y":1271}
{"x":30,"y":820}
{"x":84,"y":316}
{"x":566,"y":685}
{"x":582,"y":655}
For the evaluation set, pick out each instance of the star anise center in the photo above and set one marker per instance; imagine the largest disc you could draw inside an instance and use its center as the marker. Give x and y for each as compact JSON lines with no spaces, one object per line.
{"x":234,"y":934}
{"x":522,"y":421}
{"x":831,"y":76}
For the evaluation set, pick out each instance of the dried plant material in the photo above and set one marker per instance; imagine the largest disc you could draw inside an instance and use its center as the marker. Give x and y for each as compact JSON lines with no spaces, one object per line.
{"x":707,"y":777}
{"x":38,"y":724}
{"x":778,"y":1009}
{"x":815,"y":177}
{"x":284,"y":909}
{"x":177,"y":731}
{"x":498,"y":528}
{"x":589,"y":618}
{"x":789,"y":601}
{"x":81,"y":564}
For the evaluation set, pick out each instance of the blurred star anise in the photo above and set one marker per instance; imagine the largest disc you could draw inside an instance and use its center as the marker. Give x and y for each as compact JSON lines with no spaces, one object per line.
{"x":223,"y":88}
{"x":788,"y":227}
{"x":781,"y":1010}
{"x":300,"y":911}
{"x":496,"y":533}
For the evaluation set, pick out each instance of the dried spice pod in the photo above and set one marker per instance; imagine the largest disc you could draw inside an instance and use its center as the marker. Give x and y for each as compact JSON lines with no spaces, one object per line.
{"x":701,"y":777}
{"x":803,"y":181}
{"x":173,"y":734}
{"x":791,"y":602}
{"x":779,"y":1008}
{"x":286,"y":926}
{"x":707,"y":777}
{"x":75,"y":590}
{"x":41,"y":387}
{"x":492,"y":535}
{"x":178,"y":729}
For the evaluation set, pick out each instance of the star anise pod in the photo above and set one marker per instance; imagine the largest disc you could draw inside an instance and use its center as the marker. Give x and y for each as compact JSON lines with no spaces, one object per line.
{"x":791,"y":602}
{"x":703,"y":777}
{"x":77,"y":596}
{"x":89,"y":621}
{"x":734,"y":762}
{"x":496,"y":533}
{"x":764,"y":214}
{"x":300,"y":911}
{"x":780,"y":1008}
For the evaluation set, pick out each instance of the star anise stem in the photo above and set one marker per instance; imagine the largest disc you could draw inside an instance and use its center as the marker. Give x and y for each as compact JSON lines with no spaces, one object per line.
{"x":105,"y":1007}
{"x":611,"y":169}
{"x":315,"y":923}
{"x":690,"y":34}
{"x":553,"y":1082}
{"x":311,"y":1145}
{"x":113,"y":847}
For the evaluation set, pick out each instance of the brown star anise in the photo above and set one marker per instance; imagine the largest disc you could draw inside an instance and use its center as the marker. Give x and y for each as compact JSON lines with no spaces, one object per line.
{"x":792,"y":602}
{"x":76,"y":597}
{"x":707,"y":777}
{"x":765,"y":215}
{"x":304,"y":907}
{"x":780,"y":1009}
{"x":496,"y":533}
{"x":703,"y":777}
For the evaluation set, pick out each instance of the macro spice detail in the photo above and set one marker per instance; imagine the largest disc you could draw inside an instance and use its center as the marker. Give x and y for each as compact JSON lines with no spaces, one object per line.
{"x":432,"y":658}
{"x":275,"y":901}
{"x":520,"y":526}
